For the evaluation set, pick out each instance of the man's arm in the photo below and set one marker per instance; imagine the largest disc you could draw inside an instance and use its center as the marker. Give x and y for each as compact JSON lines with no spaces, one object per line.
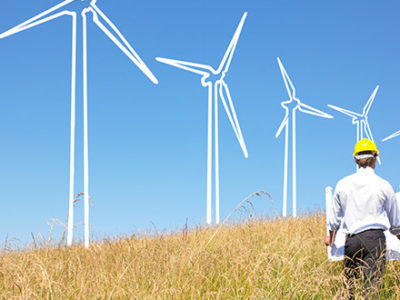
{"x":334,"y":217}
{"x":329,"y":239}
{"x":336,"y":214}
{"x":393,"y":211}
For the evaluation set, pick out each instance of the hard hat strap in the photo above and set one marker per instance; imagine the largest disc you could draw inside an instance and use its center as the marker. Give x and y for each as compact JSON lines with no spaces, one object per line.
{"x":361,"y":156}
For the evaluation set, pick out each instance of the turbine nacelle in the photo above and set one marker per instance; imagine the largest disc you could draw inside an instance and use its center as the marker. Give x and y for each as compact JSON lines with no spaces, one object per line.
{"x":291,"y":105}
{"x":358,"y":119}
{"x":212,"y":78}
{"x":79,"y":6}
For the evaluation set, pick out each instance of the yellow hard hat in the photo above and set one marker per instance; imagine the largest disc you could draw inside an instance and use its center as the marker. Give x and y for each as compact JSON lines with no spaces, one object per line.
{"x":365,"y":145}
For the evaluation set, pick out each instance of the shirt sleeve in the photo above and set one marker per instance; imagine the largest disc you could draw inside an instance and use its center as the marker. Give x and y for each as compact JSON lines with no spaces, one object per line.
{"x":336,"y":213}
{"x":392,"y":210}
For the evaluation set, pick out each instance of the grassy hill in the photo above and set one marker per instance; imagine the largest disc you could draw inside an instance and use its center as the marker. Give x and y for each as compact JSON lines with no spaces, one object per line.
{"x":256,"y":259}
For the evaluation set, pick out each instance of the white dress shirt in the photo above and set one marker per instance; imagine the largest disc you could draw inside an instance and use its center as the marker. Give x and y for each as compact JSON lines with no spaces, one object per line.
{"x":364,"y":201}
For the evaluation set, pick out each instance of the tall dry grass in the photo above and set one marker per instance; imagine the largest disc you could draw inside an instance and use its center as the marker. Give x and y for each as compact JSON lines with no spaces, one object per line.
{"x":257,"y":259}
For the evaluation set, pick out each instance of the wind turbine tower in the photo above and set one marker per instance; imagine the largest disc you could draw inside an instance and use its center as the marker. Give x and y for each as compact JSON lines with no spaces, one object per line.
{"x":214,"y":81}
{"x":291,"y":106}
{"x":80,"y":10}
{"x":361,"y":120}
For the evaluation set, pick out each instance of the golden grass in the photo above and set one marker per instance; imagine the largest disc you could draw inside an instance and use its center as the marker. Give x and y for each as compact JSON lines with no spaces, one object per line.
{"x":257,"y":259}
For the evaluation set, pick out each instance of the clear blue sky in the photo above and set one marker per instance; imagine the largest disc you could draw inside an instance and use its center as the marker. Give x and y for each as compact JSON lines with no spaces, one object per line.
{"x":147,"y":143}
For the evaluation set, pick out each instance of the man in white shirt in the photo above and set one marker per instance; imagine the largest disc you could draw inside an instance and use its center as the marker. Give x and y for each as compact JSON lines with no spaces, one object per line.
{"x":365,"y":205}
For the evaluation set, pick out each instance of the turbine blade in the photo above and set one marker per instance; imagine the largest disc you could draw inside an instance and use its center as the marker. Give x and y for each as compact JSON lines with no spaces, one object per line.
{"x":288,"y":83}
{"x":188,"y":66}
{"x":104,"y":23}
{"x":283,"y":124}
{"x":371,"y":99}
{"x":50,"y":14}
{"x":226,"y":61}
{"x":230,"y":111}
{"x":396,"y":134}
{"x":368,"y":133}
{"x":313,"y":111}
{"x":345,"y":111}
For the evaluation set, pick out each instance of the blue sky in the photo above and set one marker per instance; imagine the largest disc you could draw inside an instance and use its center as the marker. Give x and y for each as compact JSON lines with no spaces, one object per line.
{"x":147,"y":143}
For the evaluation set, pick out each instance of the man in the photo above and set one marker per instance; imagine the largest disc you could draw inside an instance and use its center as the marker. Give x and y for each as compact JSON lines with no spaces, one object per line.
{"x":366,"y":206}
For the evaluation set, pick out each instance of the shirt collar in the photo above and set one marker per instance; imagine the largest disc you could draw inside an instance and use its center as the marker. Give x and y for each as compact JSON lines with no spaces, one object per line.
{"x":366,"y":170}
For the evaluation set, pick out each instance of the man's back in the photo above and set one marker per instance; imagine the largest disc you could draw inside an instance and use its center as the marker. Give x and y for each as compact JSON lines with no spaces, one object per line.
{"x":363,"y":198}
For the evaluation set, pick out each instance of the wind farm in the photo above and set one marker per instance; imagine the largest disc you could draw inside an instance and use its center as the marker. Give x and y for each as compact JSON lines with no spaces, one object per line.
{"x":214,"y":81}
{"x":207,"y":185}
{"x":79,"y":11}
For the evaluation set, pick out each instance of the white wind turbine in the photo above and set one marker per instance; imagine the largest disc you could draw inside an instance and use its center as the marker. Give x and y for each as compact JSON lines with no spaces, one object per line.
{"x":291,"y":106}
{"x":396,"y":134}
{"x":361,"y":120}
{"x":217,"y":88}
{"x":78,"y":10}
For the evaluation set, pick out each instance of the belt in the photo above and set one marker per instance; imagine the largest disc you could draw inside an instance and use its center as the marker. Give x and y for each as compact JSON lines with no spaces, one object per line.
{"x":349,"y":235}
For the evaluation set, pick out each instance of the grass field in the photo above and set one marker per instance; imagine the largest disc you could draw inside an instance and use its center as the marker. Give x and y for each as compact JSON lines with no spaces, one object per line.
{"x":253,"y":259}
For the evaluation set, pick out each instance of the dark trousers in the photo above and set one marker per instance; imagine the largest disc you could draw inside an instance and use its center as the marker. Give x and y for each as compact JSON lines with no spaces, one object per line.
{"x":365,"y":253}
